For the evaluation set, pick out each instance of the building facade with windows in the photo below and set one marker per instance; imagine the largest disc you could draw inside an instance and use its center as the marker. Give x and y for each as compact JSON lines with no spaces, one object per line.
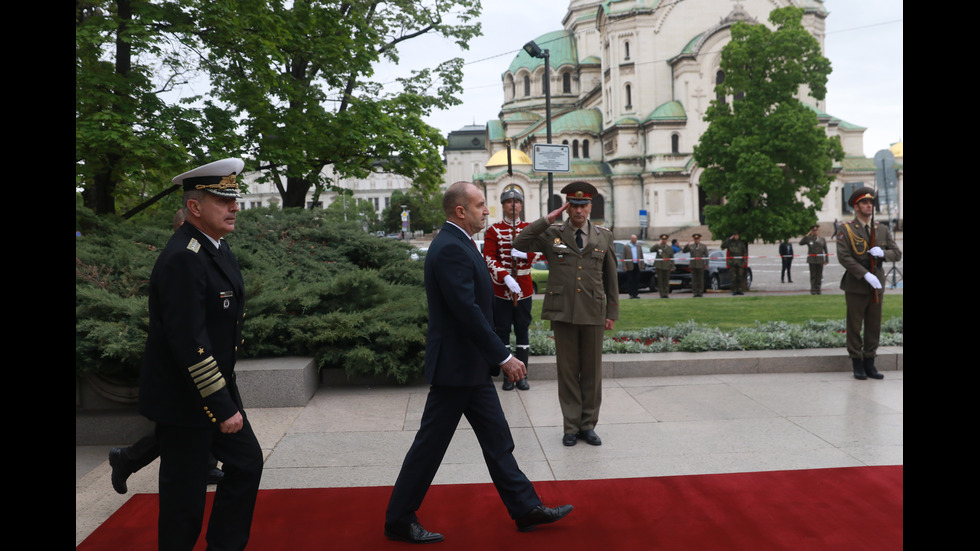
{"x":630,"y":83}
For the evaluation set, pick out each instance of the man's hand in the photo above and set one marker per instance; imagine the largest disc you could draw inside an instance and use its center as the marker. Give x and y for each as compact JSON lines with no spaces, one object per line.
{"x":232,"y":424}
{"x":512,"y":284}
{"x":872,"y":280}
{"x":555,"y":214}
{"x":514,"y":369}
{"x":514,"y":253}
{"x":876,"y":251}
{"x":610,"y":324}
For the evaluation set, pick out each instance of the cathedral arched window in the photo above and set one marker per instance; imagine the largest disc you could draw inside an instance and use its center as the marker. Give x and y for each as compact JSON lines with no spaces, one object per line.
{"x":675,"y":143}
{"x":629,"y":96}
{"x":626,"y":49}
{"x":527,"y":85}
{"x":575,"y":149}
{"x":566,"y":82}
{"x":585,"y":148}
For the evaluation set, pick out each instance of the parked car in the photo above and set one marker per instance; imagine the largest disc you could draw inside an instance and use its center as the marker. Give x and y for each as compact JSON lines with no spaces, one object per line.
{"x":539,"y":275}
{"x":648,"y":277}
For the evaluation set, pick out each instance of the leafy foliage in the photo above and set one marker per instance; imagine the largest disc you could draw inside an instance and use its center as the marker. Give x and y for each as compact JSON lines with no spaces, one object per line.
{"x":766,"y":161}
{"x":299,"y":72}
{"x":315,"y":286}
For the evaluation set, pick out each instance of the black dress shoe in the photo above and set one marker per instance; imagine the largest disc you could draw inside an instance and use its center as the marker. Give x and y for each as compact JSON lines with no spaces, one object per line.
{"x":508,"y":385}
{"x":120,"y":470}
{"x":412,"y":533}
{"x":569,"y":439}
{"x":857,"y":365}
{"x":870,"y":370}
{"x":522,"y":384}
{"x":542,"y":515}
{"x":590,"y":437}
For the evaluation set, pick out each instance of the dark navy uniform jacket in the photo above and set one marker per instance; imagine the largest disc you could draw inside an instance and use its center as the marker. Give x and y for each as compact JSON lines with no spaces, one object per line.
{"x":197,"y":302}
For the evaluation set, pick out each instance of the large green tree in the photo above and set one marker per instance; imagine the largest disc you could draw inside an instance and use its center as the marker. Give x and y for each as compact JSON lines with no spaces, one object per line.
{"x":767,"y":163}
{"x":129,"y":141}
{"x":299,"y":75}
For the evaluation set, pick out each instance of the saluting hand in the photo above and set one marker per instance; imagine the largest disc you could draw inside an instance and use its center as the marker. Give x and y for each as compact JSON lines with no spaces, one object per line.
{"x":555,"y":214}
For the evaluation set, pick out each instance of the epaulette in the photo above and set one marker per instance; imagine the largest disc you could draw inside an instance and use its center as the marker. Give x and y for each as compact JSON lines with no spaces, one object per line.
{"x":597,"y":228}
{"x":193,"y":245}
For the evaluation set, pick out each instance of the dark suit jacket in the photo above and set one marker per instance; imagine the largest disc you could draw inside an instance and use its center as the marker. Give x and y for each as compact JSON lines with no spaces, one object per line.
{"x":197,"y":300}
{"x":461,"y":348}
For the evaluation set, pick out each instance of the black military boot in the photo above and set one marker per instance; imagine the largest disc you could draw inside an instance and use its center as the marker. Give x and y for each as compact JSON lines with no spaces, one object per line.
{"x":523,"y":354}
{"x":858,"y":365}
{"x":870,"y":370}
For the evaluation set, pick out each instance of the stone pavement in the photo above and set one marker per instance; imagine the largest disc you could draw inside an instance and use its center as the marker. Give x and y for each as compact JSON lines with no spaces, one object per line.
{"x":733,"y":420}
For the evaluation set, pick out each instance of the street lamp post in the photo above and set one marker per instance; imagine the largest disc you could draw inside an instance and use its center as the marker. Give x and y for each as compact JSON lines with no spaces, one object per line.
{"x":533,"y":50}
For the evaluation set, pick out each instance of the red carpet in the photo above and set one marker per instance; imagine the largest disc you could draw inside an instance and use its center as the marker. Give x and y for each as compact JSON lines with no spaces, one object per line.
{"x":840,"y":509}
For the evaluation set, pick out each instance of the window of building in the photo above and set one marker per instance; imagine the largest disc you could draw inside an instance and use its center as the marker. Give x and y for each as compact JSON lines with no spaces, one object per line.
{"x":575,"y":149}
{"x":675,"y":143}
{"x":626,"y":49}
{"x":585,"y":148}
{"x":629,"y":96}
{"x":566,"y":83}
{"x":527,"y":85}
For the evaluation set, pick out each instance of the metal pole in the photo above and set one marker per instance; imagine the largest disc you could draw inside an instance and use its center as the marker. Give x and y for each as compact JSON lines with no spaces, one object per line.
{"x":547,"y":118}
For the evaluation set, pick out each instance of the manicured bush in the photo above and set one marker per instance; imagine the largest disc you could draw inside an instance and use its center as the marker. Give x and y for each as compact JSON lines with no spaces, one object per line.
{"x":315,"y":286}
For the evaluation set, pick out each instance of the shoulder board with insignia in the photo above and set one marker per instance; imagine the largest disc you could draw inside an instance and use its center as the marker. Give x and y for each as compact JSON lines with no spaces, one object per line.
{"x":194,"y":245}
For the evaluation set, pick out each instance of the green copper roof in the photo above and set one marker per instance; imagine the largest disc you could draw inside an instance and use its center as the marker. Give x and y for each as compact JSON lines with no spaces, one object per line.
{"x":562,"y":50}
{"x":614,"y":7}
{"x":580,"y":120}
{"x":670,"y":111}
{"x":495,"y":130}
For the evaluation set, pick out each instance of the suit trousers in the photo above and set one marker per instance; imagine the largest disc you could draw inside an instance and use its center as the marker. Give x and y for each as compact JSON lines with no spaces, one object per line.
{"x":633,"y":279}
{"x":184,"y":454}
{"x":579,"y":358}
{"x":443,"y":408}
{"x":863,"y":313}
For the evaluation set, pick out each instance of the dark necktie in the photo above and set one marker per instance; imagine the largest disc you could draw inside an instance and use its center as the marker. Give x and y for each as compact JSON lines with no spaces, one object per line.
{"x":578,"y":239}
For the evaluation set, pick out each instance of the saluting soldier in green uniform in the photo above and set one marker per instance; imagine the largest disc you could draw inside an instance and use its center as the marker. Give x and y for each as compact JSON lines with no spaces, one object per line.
{"x":582,"y":301}
{"x":738,"y":259}
{"x":816,"y":257}
{"x":663,"y":264}
{"x":698,"y":262}
{"x":863,"y":292}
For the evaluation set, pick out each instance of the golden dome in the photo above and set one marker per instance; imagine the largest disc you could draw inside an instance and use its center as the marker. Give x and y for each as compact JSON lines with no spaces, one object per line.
{"x":897,"y":149}
{"x":517,"y":157}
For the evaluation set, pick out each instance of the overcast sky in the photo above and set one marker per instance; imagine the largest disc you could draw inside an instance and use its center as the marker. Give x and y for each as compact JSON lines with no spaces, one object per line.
{"x":864,"y":44}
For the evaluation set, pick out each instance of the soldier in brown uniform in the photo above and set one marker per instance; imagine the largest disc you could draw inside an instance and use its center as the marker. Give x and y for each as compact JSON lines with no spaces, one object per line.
{"x":737,"y":256}
{"x":857,"y":248}
{"x":698,"y":262}
{"x":582,"y":301}
{"x":663,"y":264}
{"x":816,"y":257}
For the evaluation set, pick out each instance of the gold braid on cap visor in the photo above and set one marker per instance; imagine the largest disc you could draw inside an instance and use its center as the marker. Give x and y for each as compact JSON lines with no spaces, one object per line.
{"x":228,"y":182}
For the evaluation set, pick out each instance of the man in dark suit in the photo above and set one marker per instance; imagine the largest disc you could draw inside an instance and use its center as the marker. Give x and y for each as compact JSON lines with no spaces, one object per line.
{"x":187,"y":381}
{"x":462,"y":352}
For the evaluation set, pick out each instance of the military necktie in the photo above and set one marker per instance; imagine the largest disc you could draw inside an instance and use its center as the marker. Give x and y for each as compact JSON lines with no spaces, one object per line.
{"x":578,"y":239}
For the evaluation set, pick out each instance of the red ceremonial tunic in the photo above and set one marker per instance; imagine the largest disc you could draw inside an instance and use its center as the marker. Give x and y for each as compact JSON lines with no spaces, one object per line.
{"x":496,"y":251}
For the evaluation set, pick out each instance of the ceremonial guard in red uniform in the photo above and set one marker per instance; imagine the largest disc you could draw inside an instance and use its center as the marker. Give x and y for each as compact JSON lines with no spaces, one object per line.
{"x":510,"y":271}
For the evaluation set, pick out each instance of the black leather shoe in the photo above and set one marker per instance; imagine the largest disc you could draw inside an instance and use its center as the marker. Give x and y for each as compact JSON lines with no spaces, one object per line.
{"x":413,"y":533}
{"x":522,"y":384}
{"x":215,"y":475}
{"x":590,"y":437}
{"x":857,"y":364}
{"x":870,"y":370}
{"x":508,"y":385}
{"x":569,"y":439}
{"x":120,"y":470}
{"x":542,"y":515}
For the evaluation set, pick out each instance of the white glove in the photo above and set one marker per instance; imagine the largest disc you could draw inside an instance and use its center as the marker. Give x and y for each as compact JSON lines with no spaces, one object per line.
{"x":518,"y":254}
{"x":876,"y":251}
{"x":516,"y":288}
{"x":872,"y":280}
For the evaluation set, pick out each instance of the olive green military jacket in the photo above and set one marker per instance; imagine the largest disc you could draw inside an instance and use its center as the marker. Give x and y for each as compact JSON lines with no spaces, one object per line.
{"x":738,"y":252}
{"x":816,"y":249}
{"x":853,"y":243}
{"x":665,"y":256}
{"x":583,"y":285}
{"x":699,"y":255}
